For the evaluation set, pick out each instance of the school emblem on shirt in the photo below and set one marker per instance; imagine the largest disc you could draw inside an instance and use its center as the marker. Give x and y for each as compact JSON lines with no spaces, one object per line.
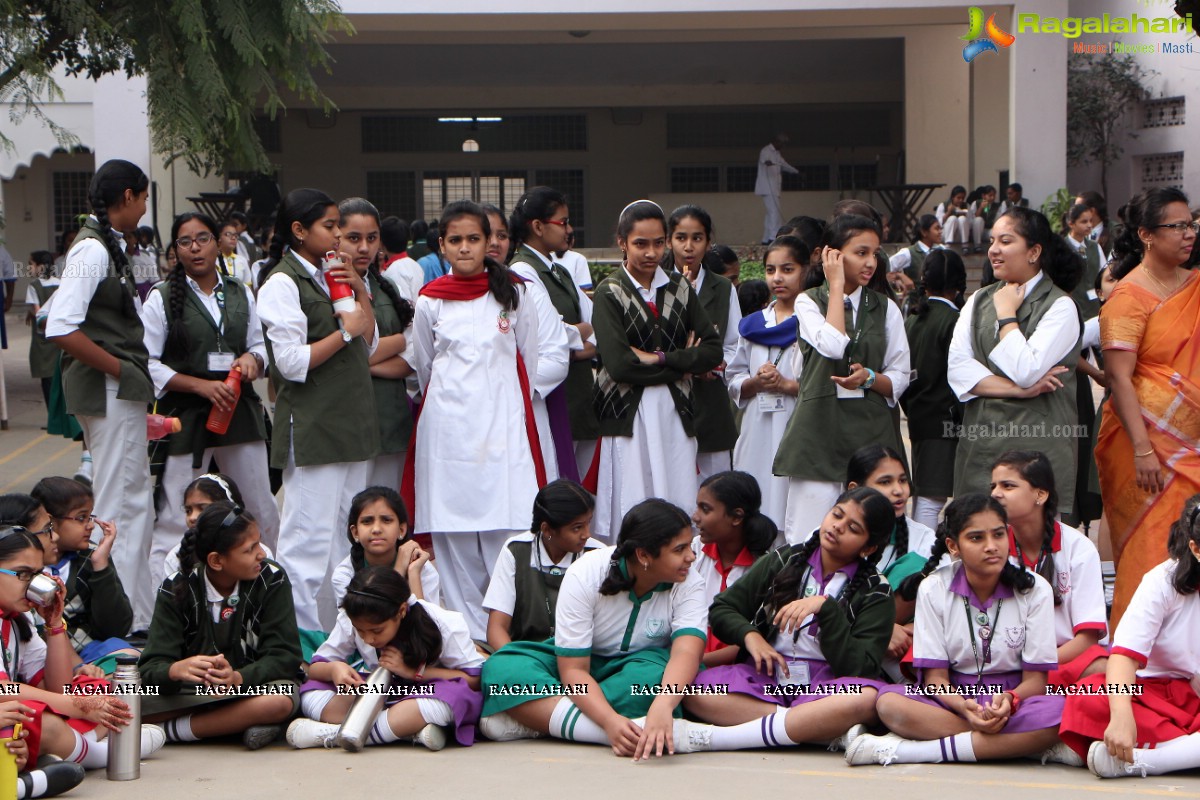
{"x":502,"y":322}
{"x":656,"y":628}
{"x":1063,"y":582}
{"x":1014,"y":637}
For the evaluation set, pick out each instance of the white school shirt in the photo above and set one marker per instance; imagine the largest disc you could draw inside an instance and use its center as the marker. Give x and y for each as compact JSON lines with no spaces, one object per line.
{"x":574,"y":339}
{"x":502,"y":590}
{"x":431,"y":585}
{"x":920,"y":541}
{"x":287,"y":327}
{"x":554,"y":350}
{"x":1021,"y":360}
{"x":471,"y":432}
{"x":86,"y":266}
{"x":1078,"y":579}
{"x":806,"y":642}
{"x":238,"y":266}
{"x":903,"y":258}
{"x":832,"y":343}
{"x":1158,"y":629}
{"x":31,"y":298}
{"x":589,"y":623}
{"x":154,"y":320}
{"x":730,"y":343}
{"x":576,"y":263}
{"x":28,"y":659}
{"x":769,"y":180}
{"x":708,"y":565}
{"x":942,"y":213}
{"x":458,"y":650}
{"x":1023,"y":634}
{"x":407,"y":276}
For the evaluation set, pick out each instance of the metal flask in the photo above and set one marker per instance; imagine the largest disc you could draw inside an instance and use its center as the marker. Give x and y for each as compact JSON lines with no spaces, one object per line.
{"x":41,"y":590}
{"x":125,"y":746}
{"x":353,"y":734}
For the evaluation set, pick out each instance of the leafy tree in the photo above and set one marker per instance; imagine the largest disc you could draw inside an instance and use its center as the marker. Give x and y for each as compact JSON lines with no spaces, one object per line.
{"x":1102,"y":91}
{"x":208,"y":63}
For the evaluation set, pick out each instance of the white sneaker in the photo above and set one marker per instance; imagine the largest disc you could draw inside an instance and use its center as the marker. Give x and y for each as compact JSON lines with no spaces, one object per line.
{"x":1061,"y":754}
{"x":1104,"y":765}
{"x":501,"y":727}
{"x":688,"y":737}
{"x":432,"y":736}
{"x":869,"y":749}
{"x":84,"y":473}
{"x":304,"y":733}
{"x":843,"y":742}
{"x":153,"y":739}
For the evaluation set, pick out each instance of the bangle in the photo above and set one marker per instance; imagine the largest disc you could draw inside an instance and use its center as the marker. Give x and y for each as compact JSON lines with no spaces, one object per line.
{"x":1149,"y":452}
{"x":61,"y":628}
{"x":1016,"y":700}
{"x":870,"y":381}
{"x":1000,"y":323}
{"x":662,"y":357}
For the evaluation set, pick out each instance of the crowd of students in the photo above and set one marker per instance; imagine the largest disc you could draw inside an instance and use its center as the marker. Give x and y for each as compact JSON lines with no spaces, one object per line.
{"x":634,"y":516}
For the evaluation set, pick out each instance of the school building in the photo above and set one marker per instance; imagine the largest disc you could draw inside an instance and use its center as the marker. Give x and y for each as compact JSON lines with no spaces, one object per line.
{"x":611,"y":100}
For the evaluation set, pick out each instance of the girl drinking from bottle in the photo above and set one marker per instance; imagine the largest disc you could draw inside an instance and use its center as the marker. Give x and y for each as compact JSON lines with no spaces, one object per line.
{"x":426,"y":647}
{"x":206,"y":349}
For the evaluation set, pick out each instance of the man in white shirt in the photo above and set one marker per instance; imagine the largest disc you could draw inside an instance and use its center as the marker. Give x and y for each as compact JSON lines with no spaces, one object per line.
{"x":769,"y":184}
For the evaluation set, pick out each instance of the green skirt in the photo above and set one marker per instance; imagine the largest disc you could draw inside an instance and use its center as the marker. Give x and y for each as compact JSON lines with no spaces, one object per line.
{"x":521,"y":672}
{"x":905,"y":565}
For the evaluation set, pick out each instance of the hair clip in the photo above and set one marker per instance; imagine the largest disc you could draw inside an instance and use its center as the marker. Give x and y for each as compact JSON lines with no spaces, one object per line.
{"x":219,"y":481}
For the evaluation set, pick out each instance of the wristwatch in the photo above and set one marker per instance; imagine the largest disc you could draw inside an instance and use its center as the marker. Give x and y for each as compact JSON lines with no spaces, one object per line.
{"x":346,"y":337}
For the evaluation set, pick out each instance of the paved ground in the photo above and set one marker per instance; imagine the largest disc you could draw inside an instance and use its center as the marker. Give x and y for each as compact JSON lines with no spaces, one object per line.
{"x":533,"y":770}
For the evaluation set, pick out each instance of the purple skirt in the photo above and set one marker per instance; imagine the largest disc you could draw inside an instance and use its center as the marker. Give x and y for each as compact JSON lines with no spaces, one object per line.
{"x":464,"y":701}
{"x":1034,"y":713}
{"x":744,"y":679}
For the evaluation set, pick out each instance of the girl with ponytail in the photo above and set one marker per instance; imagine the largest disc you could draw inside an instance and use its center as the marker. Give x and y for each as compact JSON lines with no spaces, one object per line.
{"x":106,"y":378}
{"x":732,"y":533}
{"x":1024,"y":484}
{"x":428,"y":651}
{"x":478,"y":457}
{"x":629,"y":624}
{"x":320,"y":368}
{"x":391,"y":362}
{"x":225,"y":620}
{"x":199,"y":325}
{"x":983,"y":643}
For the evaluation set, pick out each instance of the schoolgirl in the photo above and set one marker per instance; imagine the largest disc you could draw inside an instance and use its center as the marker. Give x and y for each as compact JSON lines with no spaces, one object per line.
{"x":1023,"y":482}
{"x":230,"y":262}
{"x":629,"y":619}
{"x":856,"y":365}
{"x":1013,"y":355}
{"x":43,"y":356}
{"x":23,"y":511}
{"x":1154,"y":654}
{"x":762,"y":373}
{"x":321,"y":372}
{"x":477,"y":353}
{"x":200,"y":325}
{"x":1080,"y":220}
{"x":96,"y":608}
{"x":379,"y":537}
{"x":226,"y":619}
{"x":731,"y":534}
{"x":983,"y":642}
{"x":425,"y":647}
{"x":813,"y":622}
{"x":106,"y":380}
{"x":540,"y":225}
{"x":931,"y":406}
{"x":209,"y":488}
{"x":927,"y":236}
{"x":653,"y":335}
{"x":391,"y":362}
{"x":959,"y":226}
{"x":33,"y":665}
{"x":523,"y":592}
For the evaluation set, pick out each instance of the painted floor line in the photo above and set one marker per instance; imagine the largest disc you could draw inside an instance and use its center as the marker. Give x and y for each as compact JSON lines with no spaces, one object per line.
{"x":23,"y":448}
{"x":39,"y":467}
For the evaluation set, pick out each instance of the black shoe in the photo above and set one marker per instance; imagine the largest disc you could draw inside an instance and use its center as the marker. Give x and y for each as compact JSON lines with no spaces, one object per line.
{"x":60,"y":777}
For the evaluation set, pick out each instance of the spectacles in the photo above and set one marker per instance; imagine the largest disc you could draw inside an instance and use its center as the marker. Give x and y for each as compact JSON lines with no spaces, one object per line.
{"x":82,"y":519}
{"x":565,"y":222}
{"x":201,"y":239}
{"x":1182,"y":227}
{"x":23,"y":575}
{"x":229,"y":235}
{"x":46,"y":531}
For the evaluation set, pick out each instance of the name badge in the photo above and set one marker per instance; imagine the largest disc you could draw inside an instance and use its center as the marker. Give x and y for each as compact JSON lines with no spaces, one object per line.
{"x":770,"y":402}
{"x":220,"y":362}
{"x":797,"y":674}
{"x":849,"y":394}
{"x":1091,"y":295}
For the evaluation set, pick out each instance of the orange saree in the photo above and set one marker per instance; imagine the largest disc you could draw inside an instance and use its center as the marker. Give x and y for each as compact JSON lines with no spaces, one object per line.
{"x":1165,"y":336}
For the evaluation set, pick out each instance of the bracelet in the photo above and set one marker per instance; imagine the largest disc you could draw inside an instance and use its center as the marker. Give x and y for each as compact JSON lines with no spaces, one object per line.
{"x":56,"y":631}
{"x":870,"y":381}
{"x":1000,"y":323}
{"x":662,"y":357}
{"x":1149,"y":452}
{"x":1016,"y":700}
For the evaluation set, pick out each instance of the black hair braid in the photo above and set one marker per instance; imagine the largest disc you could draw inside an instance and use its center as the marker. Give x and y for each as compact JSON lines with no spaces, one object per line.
{"x":178,"y":341}
{"x":909,"y":586}
{"x":1018,"y":578}
{"x":500,"y":284}
{"x":358,"y":556}
{"x":867,"y":569}
{"x":115,"y":252}
{"x":419,"y":638}
{"x":759,"y":533}
{"x":615,"y":582}
{"x":786,"y":586}
{"x":187,"y":563}
{"x":1045,"y":562}
{"x":900,"y":537}
{"x":404,"y":309}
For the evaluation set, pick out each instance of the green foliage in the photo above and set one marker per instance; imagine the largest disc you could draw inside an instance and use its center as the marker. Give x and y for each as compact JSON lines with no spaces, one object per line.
{"x":1056,"y":207}
{"x":208,"y":63}
{"x":1101,"y":92}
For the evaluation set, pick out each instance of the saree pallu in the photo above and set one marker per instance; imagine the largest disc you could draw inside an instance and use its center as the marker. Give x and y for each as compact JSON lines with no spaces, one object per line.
{"x":1167,"y":383}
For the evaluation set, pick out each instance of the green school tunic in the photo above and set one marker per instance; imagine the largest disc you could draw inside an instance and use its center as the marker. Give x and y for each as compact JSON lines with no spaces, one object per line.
{"x":715,"y":428}
{"x":43,"y":354}
{"x":391,"y":397}
{"x":1084,"y":293}
{"x":932,"y":408}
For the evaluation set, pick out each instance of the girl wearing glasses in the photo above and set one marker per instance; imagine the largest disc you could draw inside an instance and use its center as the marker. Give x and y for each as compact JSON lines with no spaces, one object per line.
{"x":33,"y":665}
{"x":1146,"y":449}
{"x":200,"y":324}
{"x":230,"y":262}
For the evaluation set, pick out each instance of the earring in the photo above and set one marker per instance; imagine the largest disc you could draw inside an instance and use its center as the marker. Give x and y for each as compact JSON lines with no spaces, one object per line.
{"x":1039,"y":502}
{"x":645,"y":567}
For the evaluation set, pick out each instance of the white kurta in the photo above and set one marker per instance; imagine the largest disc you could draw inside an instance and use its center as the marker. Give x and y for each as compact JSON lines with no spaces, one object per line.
{"x":762,"y":430}
{"x":474,"y":468}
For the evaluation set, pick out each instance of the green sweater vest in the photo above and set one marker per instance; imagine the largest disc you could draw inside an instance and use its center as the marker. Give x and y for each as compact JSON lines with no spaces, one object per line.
{"x":391,"y":396}
{"x":929,"y":402}
{"x":715,"y":429}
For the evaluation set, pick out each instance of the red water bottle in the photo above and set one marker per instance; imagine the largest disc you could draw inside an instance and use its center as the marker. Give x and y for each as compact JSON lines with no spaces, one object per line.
{"x":340,"y":293}
{"x":218,"y":420}
{"x":158,"y":426}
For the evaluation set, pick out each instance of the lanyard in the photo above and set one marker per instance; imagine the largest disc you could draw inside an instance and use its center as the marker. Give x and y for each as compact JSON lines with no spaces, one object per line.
{"x":859,"y":315}
{"x":554,"y":570}
{"x":810,"y":591}
{"x":778,"y":358}
{"x":986,"y":631}
{"x":1037,"y":565}
{"x":219,"y":325}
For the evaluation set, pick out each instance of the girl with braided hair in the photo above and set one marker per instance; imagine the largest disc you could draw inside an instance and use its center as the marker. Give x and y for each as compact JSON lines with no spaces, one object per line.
{"x":813,"y":622}
{"x":1023,"y":482}
{"x":199,"y":325}
{"x":106,"y":380}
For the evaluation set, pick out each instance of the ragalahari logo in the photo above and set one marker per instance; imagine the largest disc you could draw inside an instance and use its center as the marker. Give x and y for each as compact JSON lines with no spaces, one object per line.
{"x":981,"y":38}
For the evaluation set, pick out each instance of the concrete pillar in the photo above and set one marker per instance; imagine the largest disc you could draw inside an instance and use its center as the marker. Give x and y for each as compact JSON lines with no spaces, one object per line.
{"x":936,"y":107}
{"x":1038,"y":102}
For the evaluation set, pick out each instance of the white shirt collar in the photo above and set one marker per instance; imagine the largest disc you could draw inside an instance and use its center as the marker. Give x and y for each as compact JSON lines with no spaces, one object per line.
{"x":1032,"y":282}
{"x":196,"y":287}
{"x":313,"y":271}
{"x":660,"y":279}
{"x":542,"y":258}
{"x":855,"y":298}
{"x":924,"y":247}
{"x":944,"y":300}
{"x":212,"y":595}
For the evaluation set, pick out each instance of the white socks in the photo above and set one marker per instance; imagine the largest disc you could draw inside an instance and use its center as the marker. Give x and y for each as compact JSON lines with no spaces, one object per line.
{"x":1177,"y":754}
{"x":936,"y":751}
{"x":37,"y":783}
{"x":89,"y":752}
{"x":770,"y":731}
{"x":180,"y":729}
{"x":434,"y":712}
{"x":568,"y":722}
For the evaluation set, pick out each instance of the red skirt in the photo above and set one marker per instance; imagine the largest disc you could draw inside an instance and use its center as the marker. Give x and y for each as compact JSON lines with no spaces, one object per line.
{"x":1167,"y":709}
{"x":1071,"y":673}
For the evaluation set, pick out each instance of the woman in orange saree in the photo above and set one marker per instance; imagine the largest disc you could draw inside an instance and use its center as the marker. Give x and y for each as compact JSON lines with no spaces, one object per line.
{"x":1148,"y":448}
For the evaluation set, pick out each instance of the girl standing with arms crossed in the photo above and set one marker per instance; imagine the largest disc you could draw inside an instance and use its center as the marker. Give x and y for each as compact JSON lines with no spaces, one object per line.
{"x":320,"y":366}
{"x":652,"y":335}
{"x":106,"y":378}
